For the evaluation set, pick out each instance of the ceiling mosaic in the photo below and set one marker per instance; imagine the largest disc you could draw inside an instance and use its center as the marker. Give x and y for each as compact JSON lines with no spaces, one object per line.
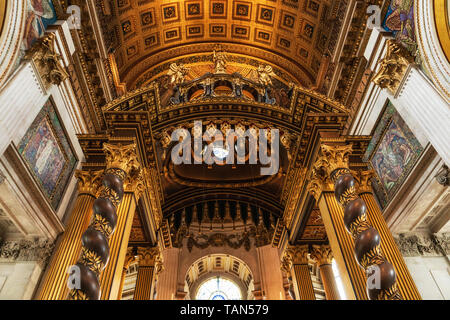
{"x":291,"y":30}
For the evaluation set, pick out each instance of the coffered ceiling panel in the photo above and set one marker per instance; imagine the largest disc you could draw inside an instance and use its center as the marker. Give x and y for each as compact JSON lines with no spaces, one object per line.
{"x":293,"y":30}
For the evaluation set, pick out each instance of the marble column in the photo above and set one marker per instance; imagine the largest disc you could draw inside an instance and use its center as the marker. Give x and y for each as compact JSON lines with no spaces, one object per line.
{"x":149,"y":267}
{"x":271,"y":277}
{"x":323,"y":257}
{"x":54,"y":283}
{"x":295,"y":259}
{"x":405,"y":283}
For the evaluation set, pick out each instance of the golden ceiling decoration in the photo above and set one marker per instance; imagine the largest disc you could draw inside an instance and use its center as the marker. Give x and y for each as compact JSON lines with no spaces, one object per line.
{"x":143,"y":33}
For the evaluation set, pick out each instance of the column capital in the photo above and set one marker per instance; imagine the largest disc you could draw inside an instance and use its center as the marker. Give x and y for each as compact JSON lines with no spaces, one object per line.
{"x":393,"y":67}
{"x":135,"y":183}
{"x":364,"y":180}
{"x":148,"y":256}
{"x":129,"y":258}
{"x":89,"y":182}
{"x":330,"y":159}
{"x":322,"y":254}
{"x":319,"y":182}
{"x":333,"y":157}
{"x":122,"y":157}
{"x":297,"y":254}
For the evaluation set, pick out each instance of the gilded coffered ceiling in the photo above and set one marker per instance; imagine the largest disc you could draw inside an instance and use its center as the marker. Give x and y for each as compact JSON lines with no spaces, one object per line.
{"x":290,"y":34}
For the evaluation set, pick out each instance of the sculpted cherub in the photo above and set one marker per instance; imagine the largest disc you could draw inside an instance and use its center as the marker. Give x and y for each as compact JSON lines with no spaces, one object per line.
{"x":264,"y":75}
{"x":177,"y":73}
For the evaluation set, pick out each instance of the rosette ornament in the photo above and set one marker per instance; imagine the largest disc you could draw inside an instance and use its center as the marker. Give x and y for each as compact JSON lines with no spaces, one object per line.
{"x":381,"y":276}
{"x":120,"y":162}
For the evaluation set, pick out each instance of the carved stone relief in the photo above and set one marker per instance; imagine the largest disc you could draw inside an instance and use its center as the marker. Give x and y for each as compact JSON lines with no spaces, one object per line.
{"x":421,"y":244}
{"x":26,"y":250}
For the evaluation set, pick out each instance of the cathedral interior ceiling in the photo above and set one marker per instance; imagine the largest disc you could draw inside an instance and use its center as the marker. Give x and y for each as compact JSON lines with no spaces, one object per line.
{"x":289,"y":33}
{"x":146,"y":39}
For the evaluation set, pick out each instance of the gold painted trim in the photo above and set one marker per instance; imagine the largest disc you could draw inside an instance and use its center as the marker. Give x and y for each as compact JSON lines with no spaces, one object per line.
{"x":441,"y":19}
{"x":2,"y":15}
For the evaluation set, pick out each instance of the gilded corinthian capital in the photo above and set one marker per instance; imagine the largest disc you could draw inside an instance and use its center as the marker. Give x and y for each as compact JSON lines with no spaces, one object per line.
{"x":297,"y":254}
{"x":336,"y":156}
{"x":393,"y":67}
{"x":135,"y":183}
{"x":121,"y":157}
{"x":322,"y":254}
{"x":148,"y":256}
{"x":89,"y":181}
{"x":364,"y":180}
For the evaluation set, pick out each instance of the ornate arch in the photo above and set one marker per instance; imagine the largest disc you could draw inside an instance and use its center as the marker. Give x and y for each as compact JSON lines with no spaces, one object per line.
{"x":12,"y":25}
{"x":433,"y":39}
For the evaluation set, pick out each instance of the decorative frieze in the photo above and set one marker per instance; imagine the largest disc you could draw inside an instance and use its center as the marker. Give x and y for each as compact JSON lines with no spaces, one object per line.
{"x":422,"y":244}
{"x":27,"y":250}
{"x":219,"y":240}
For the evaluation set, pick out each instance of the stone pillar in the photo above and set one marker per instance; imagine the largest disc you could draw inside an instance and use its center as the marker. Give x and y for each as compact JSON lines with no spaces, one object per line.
{"x":295,"y":259}
{"x":149,"y":266}
{"x":323,"y":257}
{"x":121,"y":161}
{"x":332,"y":163}
{"x":167,"y":282}
{"x":405,"y":283}
{"x":270,"y":270}
{"x":54,"y":283}
{"x":129,"y":258}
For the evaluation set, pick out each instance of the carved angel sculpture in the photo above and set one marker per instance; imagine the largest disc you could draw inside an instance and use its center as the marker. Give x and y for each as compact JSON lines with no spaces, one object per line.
{"x":264,"y":75}
{"x":177,"y":73}
{"x":220,"y":61}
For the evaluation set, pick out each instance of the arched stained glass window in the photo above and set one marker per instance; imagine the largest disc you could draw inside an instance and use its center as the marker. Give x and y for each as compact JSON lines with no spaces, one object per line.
{"x":218,"y":288}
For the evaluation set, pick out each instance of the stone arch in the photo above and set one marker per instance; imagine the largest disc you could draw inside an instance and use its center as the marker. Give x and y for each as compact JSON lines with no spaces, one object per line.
{"x":12,"y":25}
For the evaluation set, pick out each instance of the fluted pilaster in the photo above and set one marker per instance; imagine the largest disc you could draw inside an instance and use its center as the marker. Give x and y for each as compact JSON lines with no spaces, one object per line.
{"x":323,"y":257}
{"x":389,"y":247}
{"x":150,"y":264}
{"x":295,"y":259}
{"x":54,"y":283}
